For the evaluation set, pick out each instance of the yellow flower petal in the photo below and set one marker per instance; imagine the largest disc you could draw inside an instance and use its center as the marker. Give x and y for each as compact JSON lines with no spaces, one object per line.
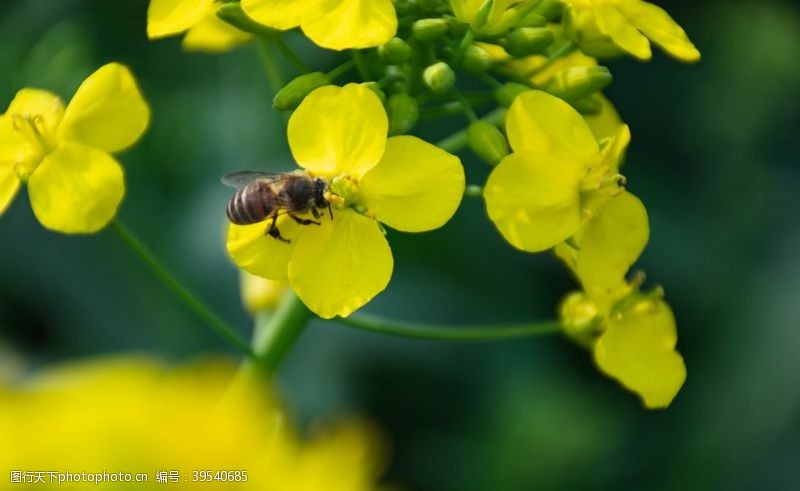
{"x":168,"y":17}
{"x":345,"y":24}
{"x":607,"y":122}
{"x":339,"y":130}
{"x":107,"y":111}
{"x":340,"y":266}
{"x":415,"y":187}
{"x":613,"y":24}
{"x":638,"y":349}
{"x":546,"y":123}
{"x":612,"y":242}
{"x":657,"y":25}
{"x":30,"y":103}
{"x":76,"y":189}
{"x":258,"y":253}
{"x":14,"y":151}
{"x":613,"y":154}
{"x":213,"y":35}
{"x":9,"y":184}
{"x":279,"y":14}
{"x":534,"y":199}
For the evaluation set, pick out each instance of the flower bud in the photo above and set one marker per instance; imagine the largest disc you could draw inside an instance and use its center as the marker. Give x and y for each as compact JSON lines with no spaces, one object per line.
{"x":588,"y":106}
{"x":532,"y":20}
{"x":395,"y":51}
{"x":375,"y":87}
{"x":403,"y":113}
{"x":579,"y":82}
{"x":293,"y":93}
{"x":528,"y":41}
{"x":476,"y":59}
{"x":486,"y":140}
{"x":429,"y":29}
{"x":578,"y":315}
{"x":549,"y":9}
{"x":439,"y":77}
{"x":482,"y":16}
{"x":508,"y":93}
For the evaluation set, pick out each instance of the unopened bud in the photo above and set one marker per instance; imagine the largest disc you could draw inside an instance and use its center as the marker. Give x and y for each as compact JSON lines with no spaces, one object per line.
{"x":439,"y":77}
{"x":395,"y":51}
{"x":532,"y":20}
{"x":507,"y":94}
{"x":578,"y":315}
{"x":430,"y":29}
{"x":476,"y":59}
{"x":579,"y":82}
{"x":529,"y":40}
{"x":480,"y":19}
{"x":403,"y":113}
{"x":259,"y":294}
{"x":293,"y":93}
{"x":588,"y":106}
{"x":549,"y":9}
{"x":486,"y":140}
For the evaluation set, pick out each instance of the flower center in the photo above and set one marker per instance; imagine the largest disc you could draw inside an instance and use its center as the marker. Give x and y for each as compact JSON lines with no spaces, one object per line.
{"x":35,"y":131}
{"x":343,"y":193}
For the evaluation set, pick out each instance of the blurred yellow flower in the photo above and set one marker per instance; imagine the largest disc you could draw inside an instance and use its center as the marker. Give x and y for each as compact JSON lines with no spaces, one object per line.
{"x":332,"y":24}
{"x":260,"y":294}
{"x":340,"y":134}
{"x":136,"y":416}
{"x":557,"y":178}
{"x":611,"y":27}
{"x":198,"y":19}
{"x":64,"y":155}
{"x":632,"y":337}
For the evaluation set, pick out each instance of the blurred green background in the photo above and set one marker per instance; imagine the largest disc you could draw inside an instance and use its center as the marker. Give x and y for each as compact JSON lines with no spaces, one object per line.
{"x":714,"y":156}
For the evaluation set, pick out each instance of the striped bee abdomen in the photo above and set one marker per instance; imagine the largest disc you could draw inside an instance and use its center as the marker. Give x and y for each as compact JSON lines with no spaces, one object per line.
{"x":252,"y":204}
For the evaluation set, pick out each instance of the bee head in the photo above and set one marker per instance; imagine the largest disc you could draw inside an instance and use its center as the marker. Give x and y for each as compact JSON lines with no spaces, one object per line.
{"x":320,"y":186}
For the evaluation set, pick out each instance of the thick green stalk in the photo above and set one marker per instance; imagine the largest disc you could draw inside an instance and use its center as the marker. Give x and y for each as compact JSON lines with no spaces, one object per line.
{"x":276,"y":332}
{"x":180,"y":291}
{"x":449,"y":333}
{"x":458,"y":140}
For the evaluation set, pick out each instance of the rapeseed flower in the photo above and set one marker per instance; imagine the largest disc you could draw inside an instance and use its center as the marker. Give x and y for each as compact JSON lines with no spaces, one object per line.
{"x":605,"y":28}
{"x":332,"y":24}
{"x":557,"y":177}
{"x":632,"y":337}
{"x":64,"y":154}
{"x":498,"y":19}
{"x":135,"y":415}
{"x":340,"y":134}
{"x":198,"y":19}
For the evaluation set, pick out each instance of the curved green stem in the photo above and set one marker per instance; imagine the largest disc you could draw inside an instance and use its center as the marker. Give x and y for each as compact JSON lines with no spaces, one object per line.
{"x":361,"y":65}
{"x":289,"y":54}
{"x":449,"y":333}
{"x":276,"y":332}
{"x":270,"y":65}
{"x":180,"y":291}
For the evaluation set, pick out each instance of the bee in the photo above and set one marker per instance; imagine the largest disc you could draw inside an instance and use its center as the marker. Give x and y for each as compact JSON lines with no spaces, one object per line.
{"x":261,"y":196}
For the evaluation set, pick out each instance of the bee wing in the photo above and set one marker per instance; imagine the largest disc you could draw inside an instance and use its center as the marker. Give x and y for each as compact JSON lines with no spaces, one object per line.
{"x":241,"y":179}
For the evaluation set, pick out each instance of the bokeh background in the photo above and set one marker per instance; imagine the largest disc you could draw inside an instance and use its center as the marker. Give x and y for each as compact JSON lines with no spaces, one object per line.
{"x":715,"y":158}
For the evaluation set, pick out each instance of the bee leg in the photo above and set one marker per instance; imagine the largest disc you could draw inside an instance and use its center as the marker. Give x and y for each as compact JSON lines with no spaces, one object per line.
{"x":303,"y":221}
{"x":274,"y":232}
{"x":330,"y":210}
{"x":315,"y":212}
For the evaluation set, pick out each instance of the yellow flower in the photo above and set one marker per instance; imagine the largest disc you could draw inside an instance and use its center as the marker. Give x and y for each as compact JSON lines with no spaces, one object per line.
{"x":135,"y":415}
{"x":332,"y":24}
{"x":467,"y":10}
{"x":558,"y":176}
{"x":632,"y":337}
{"x":610,"y":27}
{"x":64,"y":155}
{"x":340,"y":134}
{"x":198,"y":18}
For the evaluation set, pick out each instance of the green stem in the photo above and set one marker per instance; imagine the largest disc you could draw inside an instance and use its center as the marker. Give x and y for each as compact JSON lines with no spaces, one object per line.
{"x":465,"y":106}
{"x":276,"y":332}
{"x":449,"y":333}
{"x":361,"y":65}
{"x":458,"y":55}
{"x":180,"y":291}
{"x":340,"y":70}
{"x":290,"y":54}
{"x":458,"y":140}
{"x":270,"y":65}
